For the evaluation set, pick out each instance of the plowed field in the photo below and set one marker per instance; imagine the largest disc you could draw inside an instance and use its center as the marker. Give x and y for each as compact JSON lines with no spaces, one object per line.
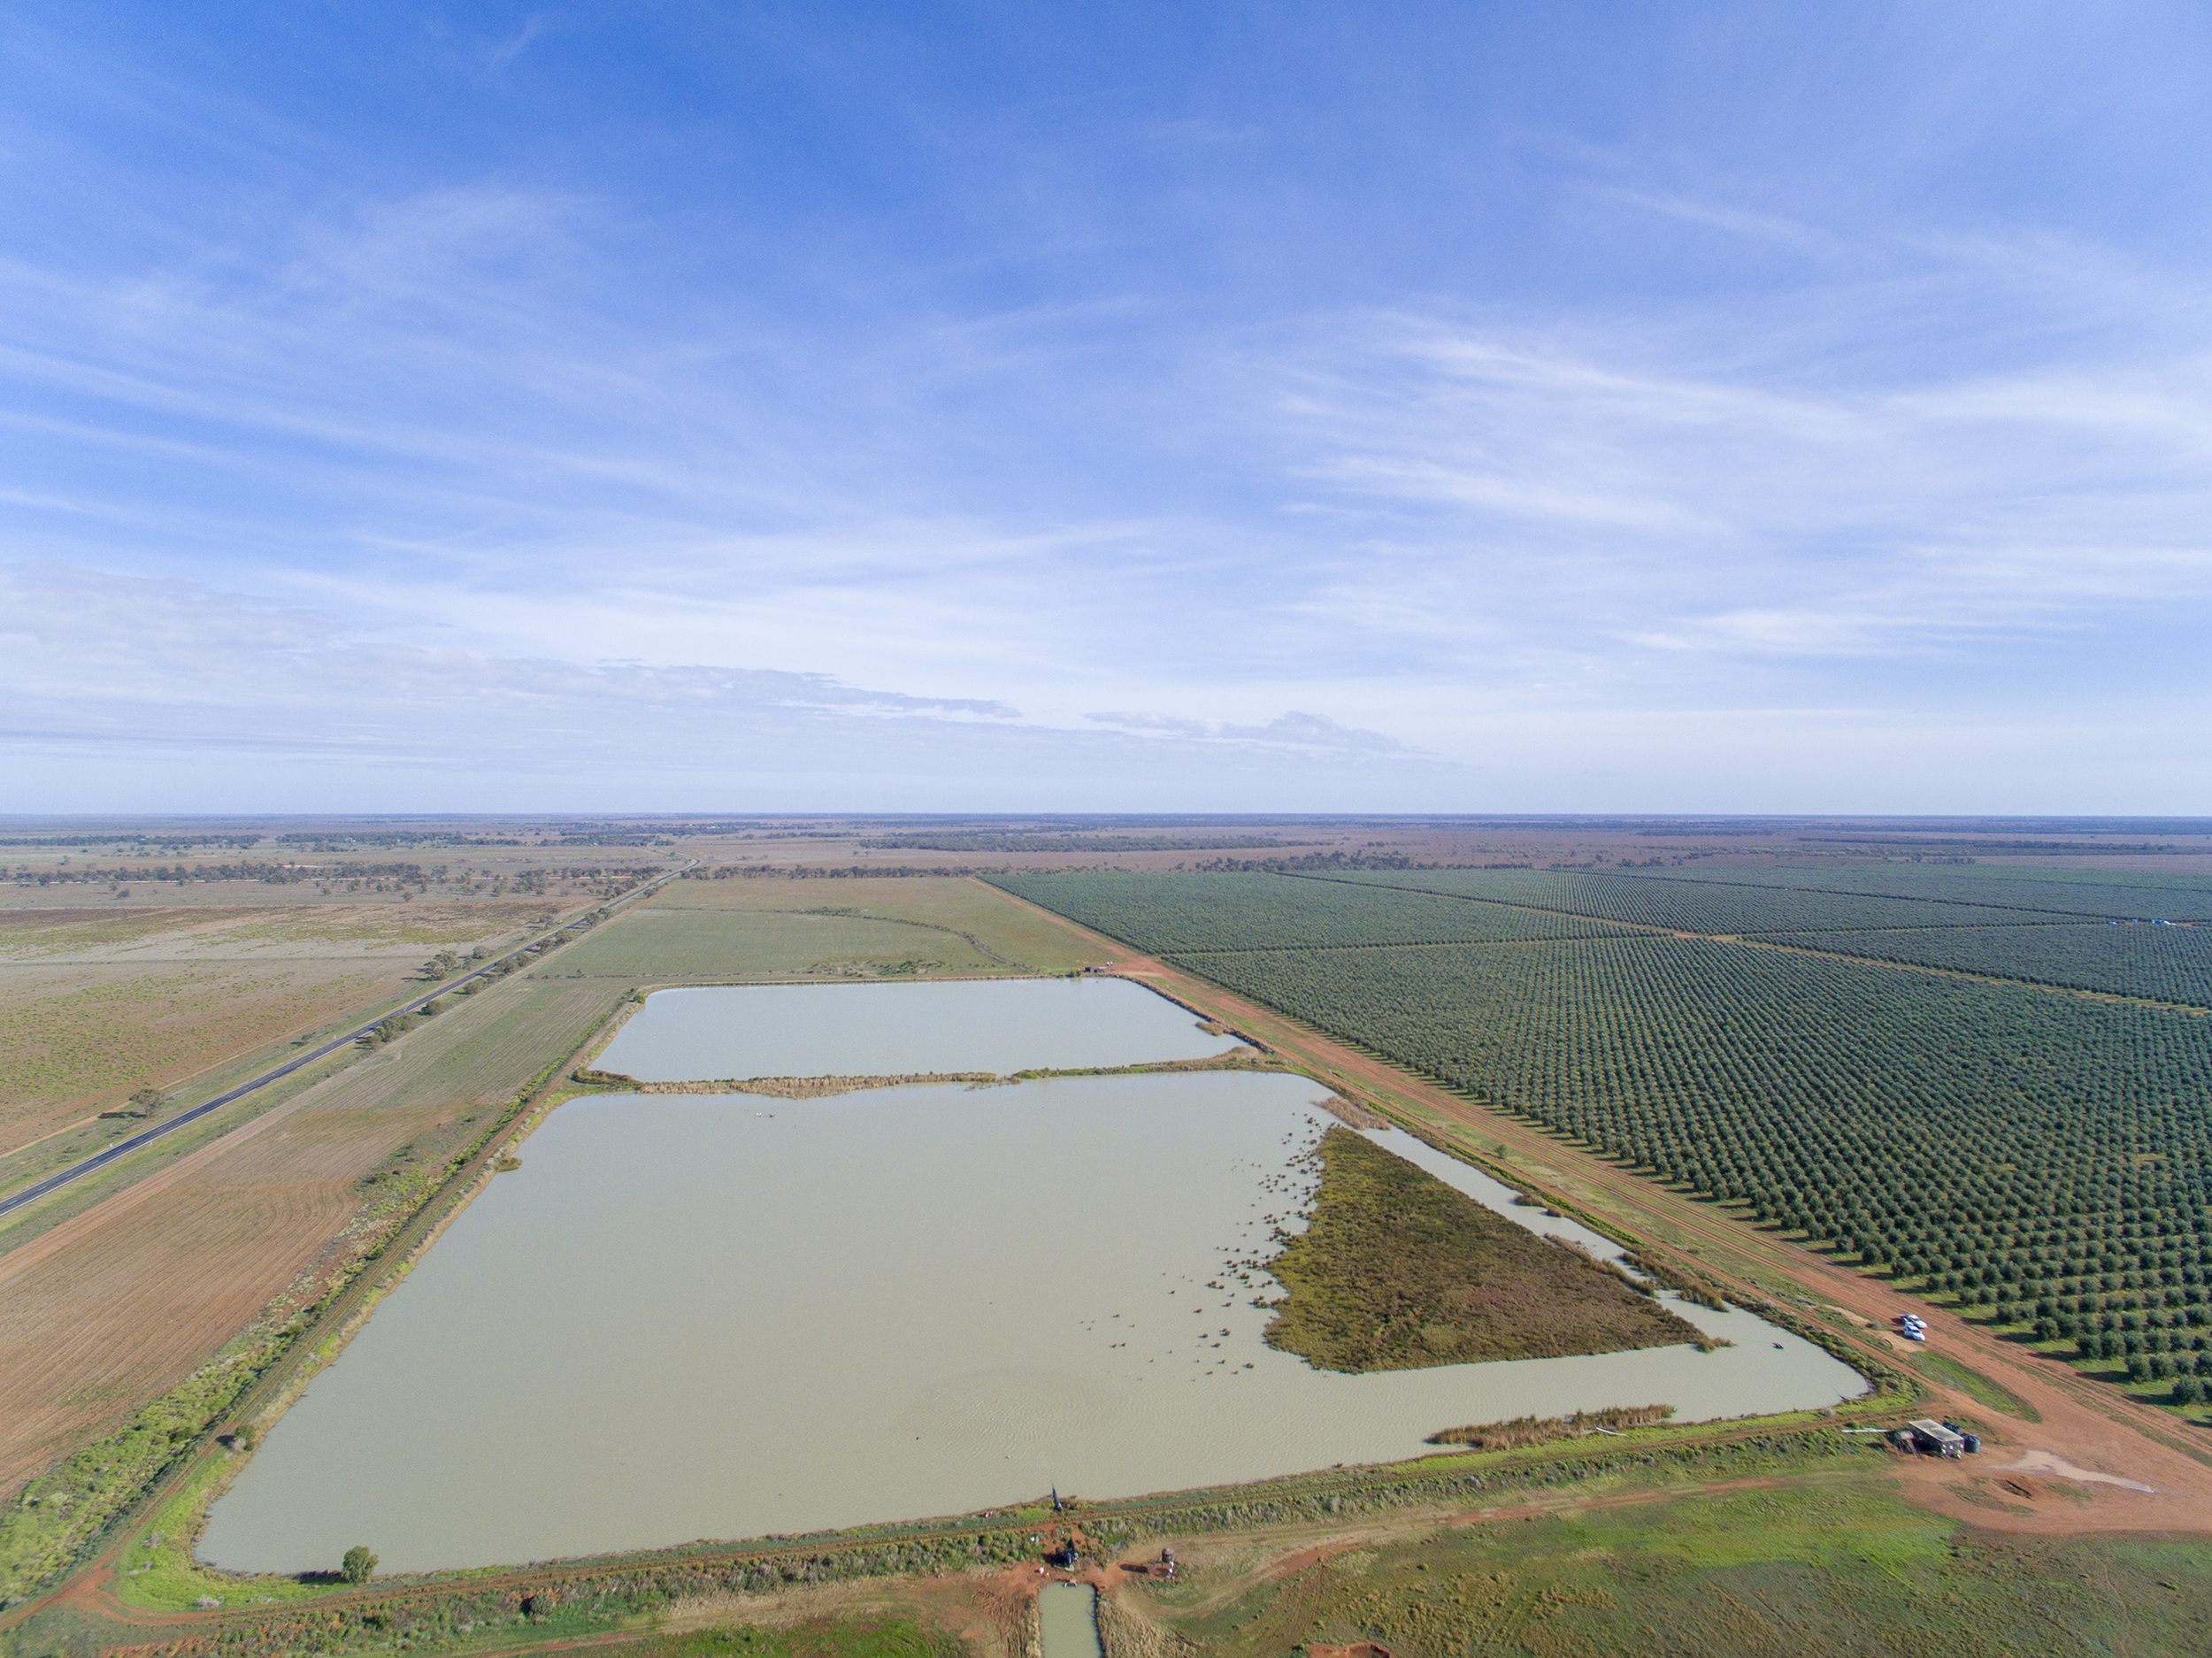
{"x":124,"y":1300}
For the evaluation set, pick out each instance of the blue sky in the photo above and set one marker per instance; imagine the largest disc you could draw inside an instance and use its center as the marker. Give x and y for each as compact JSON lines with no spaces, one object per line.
{"x":1210,"y":407}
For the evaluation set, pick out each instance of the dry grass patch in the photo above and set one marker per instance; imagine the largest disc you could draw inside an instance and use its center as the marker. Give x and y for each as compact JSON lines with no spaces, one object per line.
{"x":657,"y":946}
{"x":1014,"y":935}
{"x":1399,"y":1271}
{"x":79,"y":1039}
{"x":79,"y":931}
{"x":214,"y":930}
{"x":385,"y":924}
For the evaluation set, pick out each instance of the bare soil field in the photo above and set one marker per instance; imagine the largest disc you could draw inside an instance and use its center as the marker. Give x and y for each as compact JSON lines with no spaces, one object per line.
{"x":123,"y":1300}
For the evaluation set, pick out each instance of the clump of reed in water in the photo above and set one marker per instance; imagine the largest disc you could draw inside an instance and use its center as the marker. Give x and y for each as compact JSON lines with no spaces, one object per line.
{"x":1507,"y":1436}
{"x":1689,"y":1285}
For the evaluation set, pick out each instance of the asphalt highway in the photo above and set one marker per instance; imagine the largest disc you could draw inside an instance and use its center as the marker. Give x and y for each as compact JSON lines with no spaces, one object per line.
{"x":147,"y":1137}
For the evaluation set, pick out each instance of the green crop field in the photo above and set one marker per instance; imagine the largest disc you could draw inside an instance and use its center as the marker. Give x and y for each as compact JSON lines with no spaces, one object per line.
{"x":2162,"y":963}
{"x":2045,"y":1155}
{"x":2053,"y":889}
{"x":1012,"y":933}
{"x":658,"y":944}
{"x":1163,"y":914}
{"x":478,"y":1051}
{"x":1692,"y":906}
{"x":783,"y":929}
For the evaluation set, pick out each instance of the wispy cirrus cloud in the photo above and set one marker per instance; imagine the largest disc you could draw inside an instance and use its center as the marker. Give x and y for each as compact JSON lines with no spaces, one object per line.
{"x":97,"y":660}
{"x":1775,"y":228}
{"x":1312,"y":733}
{"x":1692,"y":485}
{"x":93,"y":656}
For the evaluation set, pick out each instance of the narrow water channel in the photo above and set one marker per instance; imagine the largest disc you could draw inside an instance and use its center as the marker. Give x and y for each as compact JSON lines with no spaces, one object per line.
{"x":1067,"y":1621}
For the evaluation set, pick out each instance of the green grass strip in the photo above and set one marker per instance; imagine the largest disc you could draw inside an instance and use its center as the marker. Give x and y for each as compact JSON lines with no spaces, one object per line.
{"x":1942,"y":1368}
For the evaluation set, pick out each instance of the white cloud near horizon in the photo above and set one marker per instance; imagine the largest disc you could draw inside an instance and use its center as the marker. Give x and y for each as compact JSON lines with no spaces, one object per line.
{"x":91,"y":659}
{"x":1291,"y":729}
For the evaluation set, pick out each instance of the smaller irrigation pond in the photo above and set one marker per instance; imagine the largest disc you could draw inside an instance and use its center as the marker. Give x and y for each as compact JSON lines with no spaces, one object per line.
{"x":725,"y":1315}
{"x":995,"y":1026}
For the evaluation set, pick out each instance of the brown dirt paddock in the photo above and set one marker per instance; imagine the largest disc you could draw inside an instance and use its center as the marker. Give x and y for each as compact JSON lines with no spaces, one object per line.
{"x":120,"y":1302}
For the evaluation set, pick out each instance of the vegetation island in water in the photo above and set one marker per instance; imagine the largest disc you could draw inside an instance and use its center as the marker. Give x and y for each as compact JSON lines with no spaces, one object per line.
{"x":1397,"y":1271}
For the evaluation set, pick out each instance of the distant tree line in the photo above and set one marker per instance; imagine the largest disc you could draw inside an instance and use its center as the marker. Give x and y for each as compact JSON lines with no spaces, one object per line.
{"x":1319,"y":861}
{"x":178,"y":843}
{"x":805,"y":872}
{"x":321,"y":841}
{"x":279,"y":874}
{"x":1070,"y":842}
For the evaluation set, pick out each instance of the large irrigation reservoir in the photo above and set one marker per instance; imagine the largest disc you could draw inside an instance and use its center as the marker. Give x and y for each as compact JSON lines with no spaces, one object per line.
{"x":729,"y":1316}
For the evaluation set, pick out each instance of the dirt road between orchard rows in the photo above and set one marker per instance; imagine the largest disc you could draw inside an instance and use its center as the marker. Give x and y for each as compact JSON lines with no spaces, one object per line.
{"x":2086,"y":1424}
